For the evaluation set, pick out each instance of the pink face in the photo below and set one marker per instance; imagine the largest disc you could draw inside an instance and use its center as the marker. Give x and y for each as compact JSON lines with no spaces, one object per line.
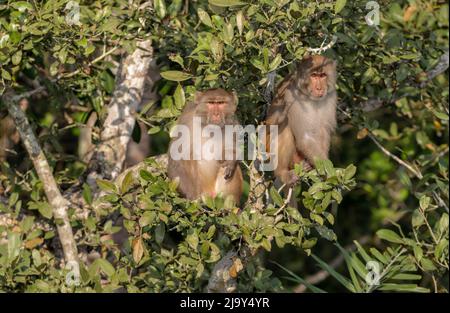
{"x":318,"y":84}
{"x":216,"y":110}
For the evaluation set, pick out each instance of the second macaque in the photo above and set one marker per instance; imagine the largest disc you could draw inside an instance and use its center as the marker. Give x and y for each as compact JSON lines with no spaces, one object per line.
{"x":198,"y":176}
{"x":304,"y":108}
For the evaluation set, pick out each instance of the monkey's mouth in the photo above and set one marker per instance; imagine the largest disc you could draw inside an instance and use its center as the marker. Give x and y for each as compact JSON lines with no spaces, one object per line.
{"x":216,"y":117}
{"x":318,"y":94}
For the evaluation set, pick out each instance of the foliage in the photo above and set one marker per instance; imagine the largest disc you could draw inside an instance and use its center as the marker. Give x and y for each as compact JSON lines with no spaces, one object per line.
{"x":172,"y":242}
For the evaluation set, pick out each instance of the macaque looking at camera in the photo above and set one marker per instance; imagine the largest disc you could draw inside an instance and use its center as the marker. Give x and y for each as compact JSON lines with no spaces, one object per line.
{"x":304,"y":108}
{"x":197,"y":175}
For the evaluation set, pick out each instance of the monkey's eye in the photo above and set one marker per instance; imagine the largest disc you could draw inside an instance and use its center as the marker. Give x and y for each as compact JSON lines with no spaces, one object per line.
{"x":217,"y":102}
{"x":318,"y":75}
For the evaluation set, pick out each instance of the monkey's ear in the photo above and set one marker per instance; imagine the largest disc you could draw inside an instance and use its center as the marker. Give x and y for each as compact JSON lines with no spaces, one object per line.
{"x":235,"y":97}
{"x":197,"y":96}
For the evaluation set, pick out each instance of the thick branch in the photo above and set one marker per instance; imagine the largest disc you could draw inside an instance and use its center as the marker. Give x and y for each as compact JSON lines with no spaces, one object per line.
{"x":109,"y":156}
{"x":440,"y":68}
{"x":56,"y":200}
{"x":221,"y":279}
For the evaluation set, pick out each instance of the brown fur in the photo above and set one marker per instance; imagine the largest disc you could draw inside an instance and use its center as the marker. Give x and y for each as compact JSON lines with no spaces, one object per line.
{"x":305,"y":121}
{"x":208,"y":177}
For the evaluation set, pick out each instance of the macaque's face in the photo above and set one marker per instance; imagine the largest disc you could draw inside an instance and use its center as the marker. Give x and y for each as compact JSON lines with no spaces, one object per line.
{"x":216,"y":110}
{"x":215,"y":106}
{"x":318,"y":86}
{"x":318,"y":75}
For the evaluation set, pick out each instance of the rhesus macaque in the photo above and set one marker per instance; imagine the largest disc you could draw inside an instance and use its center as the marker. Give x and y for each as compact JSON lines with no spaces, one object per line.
{"x":304,"y":108}
{"x":208,"y":177}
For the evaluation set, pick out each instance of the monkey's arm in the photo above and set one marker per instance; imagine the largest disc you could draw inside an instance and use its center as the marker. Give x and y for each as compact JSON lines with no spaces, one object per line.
{"x":230,"y":161}
{"x":229,"y":168}
{"x":315,"y":147}
{"x":277,"y":113}
{"x":181,"y":171}
{"x":284,"y":157}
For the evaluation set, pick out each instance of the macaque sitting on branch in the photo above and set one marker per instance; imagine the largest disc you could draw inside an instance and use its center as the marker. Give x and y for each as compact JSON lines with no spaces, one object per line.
{"x":304,"y":108}
{"x":207,"y":165}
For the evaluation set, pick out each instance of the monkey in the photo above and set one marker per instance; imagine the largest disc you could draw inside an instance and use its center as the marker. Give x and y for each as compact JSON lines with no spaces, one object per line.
{"x":304,"y":108}
{"x":201,"y":177}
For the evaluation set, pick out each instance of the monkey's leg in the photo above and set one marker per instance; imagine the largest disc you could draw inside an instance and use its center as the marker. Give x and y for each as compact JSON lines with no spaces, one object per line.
{"x":315,"y":148}
{"x":231,"y":187}
{"x":285,"y":154}
{"x":299,"y":158}
{"x":182,"y":171}
{"x":229,"y":167}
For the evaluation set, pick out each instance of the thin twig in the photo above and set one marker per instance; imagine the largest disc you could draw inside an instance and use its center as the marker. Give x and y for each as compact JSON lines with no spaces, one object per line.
{"x":396,"y":158}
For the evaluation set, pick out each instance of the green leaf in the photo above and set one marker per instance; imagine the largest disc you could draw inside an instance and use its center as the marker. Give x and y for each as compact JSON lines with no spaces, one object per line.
{"x":389,"y":235}
{"x":175,"y":76}
{"x":105,"y":266}
{"x":341,"y":279}
{"x":22,"y":6}
{"x":14,"y":244}
{"x":106,"y":186}
{"x":16,"y":58}
{"x":349,"y":172}
{"x":179,"y":97}
{"x":6,"y":75}
{"x":154,"y":130}
{"x":192,"y":239}
{"x":27,"y":223}
{"x":379,"y":256}
{"x":160,"y":232}
{"x":340,"y":4}
{"x":265,"y":243}
{"x":417,"y":218}
{"x":441,"y":115}
{"x":45,"y":209}
{"x":204,"y":17}
{"x":275,"y":62}
{"x":406,"y":276}
{"x":127,"y":182}
{"x":440,"y":248}
{"x":298,"y":279}
{"x":240,"y":21}
{"x":418,"y":252}
{"x":424,"y":202}
{"x":87,"y":193}
{"x":160,"y":8}
{"x":276,"y":196}
{"x":226,"y":3}
{"x":358,"y":265}
{"x":403,"y":287}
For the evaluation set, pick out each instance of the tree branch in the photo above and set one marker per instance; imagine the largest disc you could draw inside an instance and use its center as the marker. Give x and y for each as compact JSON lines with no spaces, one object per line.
{"x":108,"y":159}
{"x":37,"y":156}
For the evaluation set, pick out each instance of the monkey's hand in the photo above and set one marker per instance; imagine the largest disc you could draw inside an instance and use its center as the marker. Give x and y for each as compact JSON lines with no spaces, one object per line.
{"x":292,"y":179}
{"x":229,"y":168}
{"x":307,"y":166}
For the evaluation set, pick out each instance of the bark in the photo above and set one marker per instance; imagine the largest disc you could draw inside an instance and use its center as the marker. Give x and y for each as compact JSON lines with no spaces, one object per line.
{"x":108,"y":159}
